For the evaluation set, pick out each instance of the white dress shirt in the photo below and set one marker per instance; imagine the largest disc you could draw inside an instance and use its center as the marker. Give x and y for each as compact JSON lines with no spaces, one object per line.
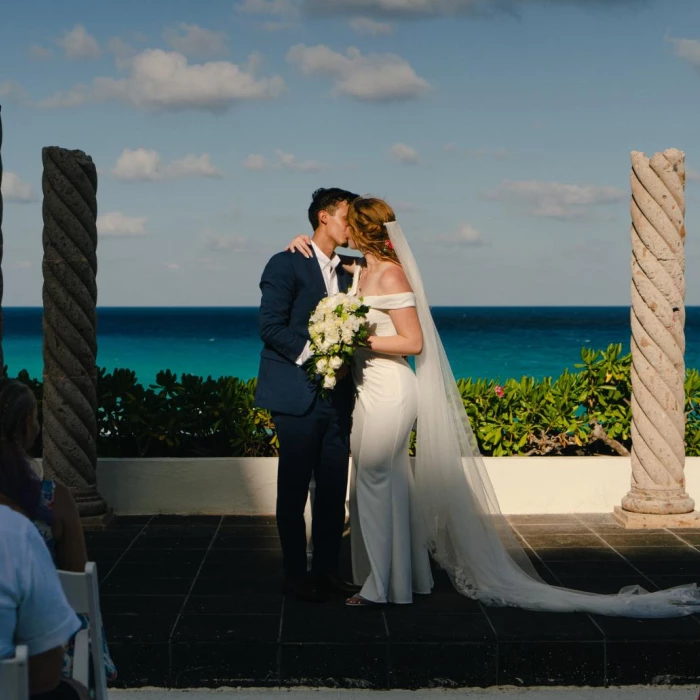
{"x":330,"y":277}
{"x":33,"y":608}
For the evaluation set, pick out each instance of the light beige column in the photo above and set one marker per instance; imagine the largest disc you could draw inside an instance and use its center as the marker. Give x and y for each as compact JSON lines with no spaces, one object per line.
{"x":657,"y":497}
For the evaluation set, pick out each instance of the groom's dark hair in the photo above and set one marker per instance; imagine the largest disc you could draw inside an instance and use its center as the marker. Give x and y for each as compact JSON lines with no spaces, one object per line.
{"x":327,"y":200}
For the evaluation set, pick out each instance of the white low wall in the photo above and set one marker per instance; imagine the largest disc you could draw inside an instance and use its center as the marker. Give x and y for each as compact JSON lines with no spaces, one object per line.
{"x":246,"y":486}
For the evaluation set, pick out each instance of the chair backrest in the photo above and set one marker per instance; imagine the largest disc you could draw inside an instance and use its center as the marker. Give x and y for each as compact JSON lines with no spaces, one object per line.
{"x":14,"y":676}
{"x":83,"y":596}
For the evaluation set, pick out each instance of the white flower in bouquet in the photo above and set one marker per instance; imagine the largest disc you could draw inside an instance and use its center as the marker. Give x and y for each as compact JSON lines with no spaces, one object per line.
{"x":336,"y":327}
{"x":329,"y":381}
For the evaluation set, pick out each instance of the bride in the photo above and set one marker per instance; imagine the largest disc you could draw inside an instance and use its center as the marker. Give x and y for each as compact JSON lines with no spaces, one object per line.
{"x":448,"y":506}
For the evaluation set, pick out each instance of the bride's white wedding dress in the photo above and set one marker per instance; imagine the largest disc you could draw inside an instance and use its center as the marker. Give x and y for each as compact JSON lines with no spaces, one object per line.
{"x":465,"y":531}
{"x":389,"y":555}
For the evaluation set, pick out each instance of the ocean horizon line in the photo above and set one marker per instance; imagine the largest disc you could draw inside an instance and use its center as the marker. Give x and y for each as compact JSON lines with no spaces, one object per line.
{"x":480,"y":341}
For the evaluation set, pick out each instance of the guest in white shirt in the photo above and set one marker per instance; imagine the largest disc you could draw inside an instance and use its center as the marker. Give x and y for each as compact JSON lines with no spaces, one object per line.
{"x":33,"y":608}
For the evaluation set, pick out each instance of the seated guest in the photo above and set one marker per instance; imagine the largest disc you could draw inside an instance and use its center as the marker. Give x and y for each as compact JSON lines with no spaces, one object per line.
{"x":49,"y":504}
{"x":33,"y":608}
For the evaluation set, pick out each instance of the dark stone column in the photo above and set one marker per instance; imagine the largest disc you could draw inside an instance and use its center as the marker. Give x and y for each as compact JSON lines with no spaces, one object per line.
{"x":69,"y":185}
{"x":2,"y":243}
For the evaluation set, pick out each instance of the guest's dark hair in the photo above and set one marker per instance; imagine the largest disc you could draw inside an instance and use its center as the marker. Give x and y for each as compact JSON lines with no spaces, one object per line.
{"x":327,"y":200}
{"x":17,"y":480}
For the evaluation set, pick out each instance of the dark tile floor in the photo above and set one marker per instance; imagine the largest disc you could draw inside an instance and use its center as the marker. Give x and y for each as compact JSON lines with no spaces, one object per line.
{"x":195,"y":601}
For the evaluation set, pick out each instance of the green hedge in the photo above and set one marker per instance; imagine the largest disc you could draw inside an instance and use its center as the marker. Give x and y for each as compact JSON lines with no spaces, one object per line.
{"x":582,"y":413}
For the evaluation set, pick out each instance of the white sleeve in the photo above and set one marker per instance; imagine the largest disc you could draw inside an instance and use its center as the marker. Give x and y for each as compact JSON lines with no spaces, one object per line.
{"x":305,"y":353}
{"x":44,"y":619}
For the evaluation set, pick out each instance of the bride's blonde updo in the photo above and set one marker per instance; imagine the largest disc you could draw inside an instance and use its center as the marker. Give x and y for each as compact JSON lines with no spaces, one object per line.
{"x":367,"y":217}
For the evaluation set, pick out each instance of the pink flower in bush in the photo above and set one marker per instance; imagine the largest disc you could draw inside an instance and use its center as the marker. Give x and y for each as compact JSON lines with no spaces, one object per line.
{"x":498,"y":390}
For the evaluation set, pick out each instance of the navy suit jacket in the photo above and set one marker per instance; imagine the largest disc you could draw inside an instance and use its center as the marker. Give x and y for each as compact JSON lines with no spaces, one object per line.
{"x":291,"y":285}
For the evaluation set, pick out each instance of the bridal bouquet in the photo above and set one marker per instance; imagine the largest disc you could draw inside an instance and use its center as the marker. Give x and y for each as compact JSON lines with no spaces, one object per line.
{"x":336,"y":326}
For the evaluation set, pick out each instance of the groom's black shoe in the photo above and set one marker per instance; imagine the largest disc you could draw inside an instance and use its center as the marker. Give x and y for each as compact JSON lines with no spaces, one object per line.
{"x":332,"y":583}
{"x":304,"y":589}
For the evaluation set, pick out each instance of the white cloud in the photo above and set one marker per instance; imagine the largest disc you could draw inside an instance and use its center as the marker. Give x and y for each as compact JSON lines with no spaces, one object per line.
{"x":122,"y":51}
{"x":229,"y":244}
{"x":371,"y":78}
{"x":402,"y":153}
{"x":117,"y":224}
{"x":365,"y":25}
{"x":13,"y":92}
{"x":173,"y":266}
{"x":165,"y":81}
{"x":436,"y":8}
{"x":687,"y":49}
{"x":14,"y":190}
{"x":557,"y":200}
{"x":143,"y":165}
{"x":74,"y":97}
{"x":285,"y":161}
{"x":466,"y":236}
{"x":266,"y":7}
{"x":255,"y":161}
{"x":288,"y":161}
{"x":41,"y":53}
{"x":193,"y":40}
{"x":77,"y":43}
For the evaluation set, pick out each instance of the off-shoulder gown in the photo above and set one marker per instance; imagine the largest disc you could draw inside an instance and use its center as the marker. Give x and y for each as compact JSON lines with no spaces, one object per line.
{"x":389,"y":556}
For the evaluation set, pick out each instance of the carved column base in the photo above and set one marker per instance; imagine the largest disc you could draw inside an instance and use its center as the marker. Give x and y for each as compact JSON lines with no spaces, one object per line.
{"x":675,"y":501}
{"x":89,"y":501}
{"x":652,"y":521}
{"x":97,"y":522}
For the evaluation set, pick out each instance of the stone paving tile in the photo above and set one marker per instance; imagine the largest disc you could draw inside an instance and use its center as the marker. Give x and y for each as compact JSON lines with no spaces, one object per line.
{"x":544,"y":529}
{"x":443,"y":665}
{"x":603,"y":553}
{"x":551,"y":663}
{"x":576,"y":541}
{"x":196,"y":601}
{"x":542,"y":519}
{"x":627,"y":539}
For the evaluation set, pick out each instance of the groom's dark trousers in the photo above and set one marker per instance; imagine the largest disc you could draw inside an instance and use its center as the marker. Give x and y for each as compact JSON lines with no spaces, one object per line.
{"x":314,"y":433}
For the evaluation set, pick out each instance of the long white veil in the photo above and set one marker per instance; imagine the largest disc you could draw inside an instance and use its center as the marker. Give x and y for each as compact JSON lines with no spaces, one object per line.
{"x":467,"y":534}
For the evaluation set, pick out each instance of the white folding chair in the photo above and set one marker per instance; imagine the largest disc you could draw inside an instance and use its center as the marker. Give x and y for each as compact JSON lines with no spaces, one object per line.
{"x":83,"y":596}
{"x":14,"y":676}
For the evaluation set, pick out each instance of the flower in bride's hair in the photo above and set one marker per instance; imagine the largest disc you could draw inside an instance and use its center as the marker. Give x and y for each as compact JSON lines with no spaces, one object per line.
{"x":389,"y":245}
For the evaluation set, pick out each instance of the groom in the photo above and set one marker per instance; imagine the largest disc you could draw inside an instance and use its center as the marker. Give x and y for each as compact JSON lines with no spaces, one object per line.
{"x":314,"y":433}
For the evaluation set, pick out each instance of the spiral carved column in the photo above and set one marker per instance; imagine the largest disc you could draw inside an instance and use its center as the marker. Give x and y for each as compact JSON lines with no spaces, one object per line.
{"x":2,"y":243}
{"x":69,"y":185}
{"x":658,"y":497}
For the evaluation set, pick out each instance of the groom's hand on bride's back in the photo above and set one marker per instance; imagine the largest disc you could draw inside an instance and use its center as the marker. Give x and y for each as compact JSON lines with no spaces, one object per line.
{"x":301,"y":243}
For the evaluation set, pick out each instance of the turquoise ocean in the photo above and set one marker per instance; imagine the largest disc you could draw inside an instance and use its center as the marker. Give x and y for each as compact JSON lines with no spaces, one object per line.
{"x":497,"y":343}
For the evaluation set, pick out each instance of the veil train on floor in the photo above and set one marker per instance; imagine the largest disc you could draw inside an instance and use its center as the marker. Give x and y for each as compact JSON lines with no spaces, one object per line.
{"x":465,"y":530}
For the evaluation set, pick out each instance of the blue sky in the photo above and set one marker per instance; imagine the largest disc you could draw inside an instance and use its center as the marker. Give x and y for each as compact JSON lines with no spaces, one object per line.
{"x":499,"y":129}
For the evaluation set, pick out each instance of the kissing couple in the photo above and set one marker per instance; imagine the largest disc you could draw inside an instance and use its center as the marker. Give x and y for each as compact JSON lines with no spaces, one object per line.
{"x":442,"y":506}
